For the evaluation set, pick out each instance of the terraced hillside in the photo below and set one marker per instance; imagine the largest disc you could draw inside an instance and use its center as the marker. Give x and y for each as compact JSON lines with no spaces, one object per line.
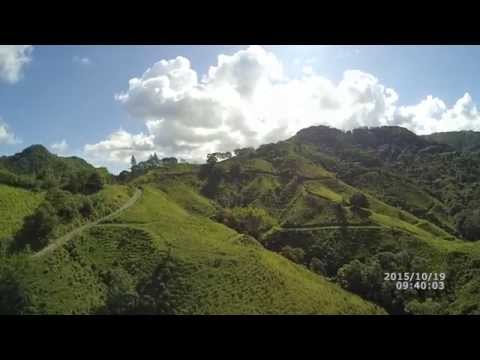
{"x":305,"y":188}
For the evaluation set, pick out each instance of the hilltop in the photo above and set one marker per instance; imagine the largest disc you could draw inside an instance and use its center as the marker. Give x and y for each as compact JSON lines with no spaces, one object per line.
{"x":463,"y":141}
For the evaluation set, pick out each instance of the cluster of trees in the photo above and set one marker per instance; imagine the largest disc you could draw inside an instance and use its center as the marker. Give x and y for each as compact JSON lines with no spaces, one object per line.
{"x":38,"y":227}
{"x":294,"y":254}
{"x":244,"y":152}
{"x":367,"y":279}
{"x":151,"y":163}
{"x":359,"y":200}
{"x":150,"y":296}
{"x":12,"y":298}
{"x":468,"y":224}
{"x":452,"y":178}
{"x":77,"y":182}
{"x":249,"y":220}
{"x":59,"y":208}
{"x":84,"y":183}
{"x":217,"y":156}
{"x":23,"y":181}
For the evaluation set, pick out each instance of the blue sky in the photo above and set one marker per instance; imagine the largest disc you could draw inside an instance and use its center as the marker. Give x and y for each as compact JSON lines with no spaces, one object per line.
{"x":68,"y":93}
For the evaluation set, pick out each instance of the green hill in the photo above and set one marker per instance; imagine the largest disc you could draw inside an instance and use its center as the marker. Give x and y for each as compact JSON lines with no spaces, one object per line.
{"x":157,"y":250}
{"x":35,"y":167}
{"x":307,"y":190}
{"x":37,"y":159}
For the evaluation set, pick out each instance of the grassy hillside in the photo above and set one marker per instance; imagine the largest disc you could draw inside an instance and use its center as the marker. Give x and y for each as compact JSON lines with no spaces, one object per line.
{"x":308,"y":187}
{"x":212,"y":270}
{"x":15,"y":205}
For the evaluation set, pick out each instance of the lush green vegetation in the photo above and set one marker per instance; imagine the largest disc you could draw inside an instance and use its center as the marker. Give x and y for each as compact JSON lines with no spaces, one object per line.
{"x":464,"y":141}
{"x":158,"y":258}
{"x":36,"y":168}
{"x":15,"y":205}
{"x":280,"y":229}
{"x":62,"y":211}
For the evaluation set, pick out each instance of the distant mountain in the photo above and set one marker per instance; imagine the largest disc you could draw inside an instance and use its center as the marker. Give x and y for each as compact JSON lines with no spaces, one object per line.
{"x":36,"y":160}
{"x":386,"y":143}
{"x":463,"y":141}
{"x":36,"y":167}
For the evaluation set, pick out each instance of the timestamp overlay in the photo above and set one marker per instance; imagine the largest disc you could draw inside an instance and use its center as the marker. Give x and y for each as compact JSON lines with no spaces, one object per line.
{"x":417,"y":280}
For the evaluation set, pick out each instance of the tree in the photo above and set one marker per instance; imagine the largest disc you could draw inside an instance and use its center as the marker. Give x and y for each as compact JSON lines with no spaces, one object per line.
{"x":156,"y":160}
{"x":76,"y":182}
{"x":169,"y":161}
{"x":351,"y":276}
{"x":244,"y":151}
{"x":86,"y":208}
{"x":48,"y":179}
{"x":64,"y":203}
{"x":226,"y":155}
{"x":121,"y":294}
{"x":359,"y":200}
{"x":94,"y":183}
{"x":38,"y":227}
{"x":212,"y":158}
{"x":250,"y":220}
{"x":294,"y":254}
{"x":216,"y":156}
{"x":340,"y":214}
{"x":468,"y":225}
{"x":13,"y":300}
{"x":318,"y":266}
{"x":235,"y":171}
{"x":124,"y":176}
{"x":133,"y":162}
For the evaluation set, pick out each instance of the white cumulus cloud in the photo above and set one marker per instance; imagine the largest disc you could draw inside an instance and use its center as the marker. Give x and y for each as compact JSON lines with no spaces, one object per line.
{"x":60,"y":147}
{"x":119,"y":147}
{"x":13,"y":58}
{"x":6,"y":136}
{"x":246,"y":99}
{"x":433,"y":115}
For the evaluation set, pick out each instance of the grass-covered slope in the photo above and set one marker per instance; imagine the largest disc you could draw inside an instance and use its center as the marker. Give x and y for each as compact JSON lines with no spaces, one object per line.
{"x":220,"y":274}
{"x":213,"y":269}
{"x":15,"y":205}
{"x":308,"y":187}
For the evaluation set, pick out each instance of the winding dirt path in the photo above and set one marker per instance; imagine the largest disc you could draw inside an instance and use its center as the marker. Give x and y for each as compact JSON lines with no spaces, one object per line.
{"x":309,"y":228}
{"x":65,"y":238}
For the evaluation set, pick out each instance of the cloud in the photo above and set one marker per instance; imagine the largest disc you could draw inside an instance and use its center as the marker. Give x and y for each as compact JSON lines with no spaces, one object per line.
{"x":432,"y":115}
{"x":82,"y":60}
{"x":6,"y":136}
{"x":13,"y":58}
{"x":246,"y":99}
{"x":119,"y":147}
{"x":60,"y":147}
